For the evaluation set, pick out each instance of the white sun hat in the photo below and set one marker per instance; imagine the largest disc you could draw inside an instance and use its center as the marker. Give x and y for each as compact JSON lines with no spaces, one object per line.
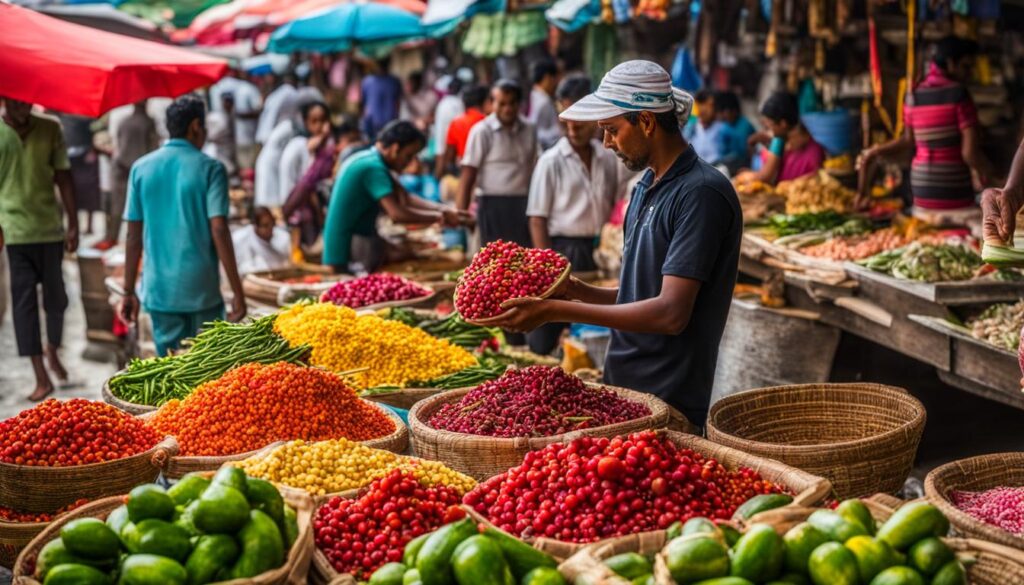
{"x":633,"y":86}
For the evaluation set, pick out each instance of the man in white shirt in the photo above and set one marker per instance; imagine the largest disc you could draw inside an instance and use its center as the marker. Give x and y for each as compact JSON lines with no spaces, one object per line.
{"x":574,"y":188}
{"x":247,"y":111}
{"x":542,"y":113}
{"x":449,"y":108}
{"x":272,"y":107}
{"x":499,"y":159}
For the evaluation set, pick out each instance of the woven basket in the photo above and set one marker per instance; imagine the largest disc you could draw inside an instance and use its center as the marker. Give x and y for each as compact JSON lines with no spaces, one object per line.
{"x":481,"y":457}
{"x":862,"y":437}
{"x":293,"y":572}
{"x":588,"y":561}
{"x":45,"y":489}
{"x":15,"y":536}
{"x":269,"y":287}
{"x":976,"y":474}
{"x":396,"y":442}
{"x":404,"y":398}
{"x":808,"y":490}
{"x":497,"y":319}
{"x":425,"y":300}
{"x":129,"y":407}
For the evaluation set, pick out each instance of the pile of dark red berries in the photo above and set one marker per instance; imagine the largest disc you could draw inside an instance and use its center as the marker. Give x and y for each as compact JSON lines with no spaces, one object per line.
{"x":360,"y":535}
{"x":502,"y":271}
{"x":381,"y":287}
{"x":538,"y":401}
{"x":596,"y":488}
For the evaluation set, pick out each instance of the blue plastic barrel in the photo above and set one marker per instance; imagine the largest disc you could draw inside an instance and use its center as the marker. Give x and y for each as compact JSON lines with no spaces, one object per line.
{"x":833,"y":130}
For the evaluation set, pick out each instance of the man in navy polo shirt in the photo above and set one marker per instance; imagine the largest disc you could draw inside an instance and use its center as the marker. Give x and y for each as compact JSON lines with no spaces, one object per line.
{"x":682,"y":242}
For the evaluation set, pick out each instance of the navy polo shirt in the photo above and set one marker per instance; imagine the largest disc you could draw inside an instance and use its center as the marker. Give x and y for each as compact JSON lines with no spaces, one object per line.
{"x":688,"y":224}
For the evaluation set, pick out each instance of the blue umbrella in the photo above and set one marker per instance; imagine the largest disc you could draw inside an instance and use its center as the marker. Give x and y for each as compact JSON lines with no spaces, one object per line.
{"x":345,"y":26}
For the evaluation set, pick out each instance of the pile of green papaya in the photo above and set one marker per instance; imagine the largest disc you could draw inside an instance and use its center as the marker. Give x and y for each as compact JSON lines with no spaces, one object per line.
{"x":460,"y":554}
{"x":832,"y":547}
{"x":198,"y":531}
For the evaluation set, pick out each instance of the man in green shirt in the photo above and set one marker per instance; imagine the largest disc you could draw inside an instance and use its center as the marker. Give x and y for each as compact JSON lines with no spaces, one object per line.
{"x":177,"y":211}
{"x":33,"y":159}
{"x":364,"y":187}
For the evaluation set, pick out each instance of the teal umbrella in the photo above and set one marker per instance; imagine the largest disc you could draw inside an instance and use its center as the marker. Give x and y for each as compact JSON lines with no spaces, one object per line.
{"x":346,"y":26}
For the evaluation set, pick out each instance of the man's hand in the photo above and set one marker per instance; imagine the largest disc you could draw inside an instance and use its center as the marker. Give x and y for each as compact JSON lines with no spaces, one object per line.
{"x":238,"y":309}
{"x":999,"y":211}
{"x":130,"y":308}
{"x":523,"y":314}
{"x":450,"y":217}
{"x":71,"y":239}
{"x":467,"y":219}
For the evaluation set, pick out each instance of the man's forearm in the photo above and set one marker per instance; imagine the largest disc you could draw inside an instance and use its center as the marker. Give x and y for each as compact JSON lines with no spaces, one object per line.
{"x":467,"y":183}
{"x":650,"y":316}
{"x":1015,"y":181}
{"x":588,"y":293}
{"x":539,"y":232}
{"x":66,"y":186}
{"x":133,"y":253}
{"x":226,"y":252}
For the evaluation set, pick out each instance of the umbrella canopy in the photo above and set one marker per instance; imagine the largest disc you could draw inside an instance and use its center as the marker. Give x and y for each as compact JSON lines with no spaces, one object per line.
{"x":346,"y":26}
{"x":105,"y":17}
{"x":307,"y":7}
{"x":79,"y":70}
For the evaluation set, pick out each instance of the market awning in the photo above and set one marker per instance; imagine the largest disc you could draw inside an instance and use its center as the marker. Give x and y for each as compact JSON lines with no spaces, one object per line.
{"x":347,"y":26}
{"x":105,"y":17}
{"x":80,"y":70}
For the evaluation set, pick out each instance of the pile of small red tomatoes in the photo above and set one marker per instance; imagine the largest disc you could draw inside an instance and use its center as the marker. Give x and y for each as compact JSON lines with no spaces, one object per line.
{"x":596,"y":488}
{"x":73,"y":432}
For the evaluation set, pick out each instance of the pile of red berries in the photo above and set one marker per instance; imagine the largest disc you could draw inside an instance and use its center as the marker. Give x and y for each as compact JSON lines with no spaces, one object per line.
{"x":596,"y":488}
{"x":502,"y":271}
{"x":360,"y":535}
{"x":538,"y":401}
{"x":12,"y":515}
{"x":74,"y":432}
{"x":381,"y":287}
{"x":1002,"y":507}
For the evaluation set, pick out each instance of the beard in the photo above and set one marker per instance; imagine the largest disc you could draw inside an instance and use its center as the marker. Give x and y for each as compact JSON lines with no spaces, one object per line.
{"x":634,"y":164}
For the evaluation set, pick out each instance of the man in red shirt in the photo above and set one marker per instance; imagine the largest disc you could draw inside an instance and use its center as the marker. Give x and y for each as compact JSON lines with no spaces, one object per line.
{"x":477,"y":100}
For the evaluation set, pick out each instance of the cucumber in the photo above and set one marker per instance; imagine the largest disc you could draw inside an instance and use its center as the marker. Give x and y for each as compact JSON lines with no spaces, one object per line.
{"x":761,"y":503}
{"x":629,"y":565}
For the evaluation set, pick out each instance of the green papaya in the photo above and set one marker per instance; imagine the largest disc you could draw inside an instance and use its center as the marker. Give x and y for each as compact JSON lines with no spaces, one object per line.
{"x":291,"y":527}
{"x":264,"y":496}
{"x":898,"y":576}
{"x":221,"y":510}
{"x":156,"y":537}
{"x":146,"y":569}
{"x":629,"y":565}
{"x":952,"y":573}
{"x":433,"y":561}
{"x":188,"y":489}
{"x":699,"y":526}
{"x":478,"y":560}
{"x":854,"y":510}
{"x":801,"y":540}
{"x":76,"y":574}
{"x":412,"y":550}
{"x":149,"y":501}
{"x":544,"y":576}
{"x":231,"y":476}
{"x":212,"y":554}
{"x":873,"y":556}
{"x":674,"y":530}
{"x":90,"y":538}
{"x":389,"y":574}
{"x":696,"y":557}
{"x":117,"y":518}
{"x":833,"y":564}
{"x":52,"y":554}
{"x":522,"y":558}
{"x":835,"y":526}
{"x":911,"y":523}
{"x":761,"y":503}
{"x":759,"y":554}
{"x":929,"y":555}
{"x":412,"y":577}
{"x":262,"y":546}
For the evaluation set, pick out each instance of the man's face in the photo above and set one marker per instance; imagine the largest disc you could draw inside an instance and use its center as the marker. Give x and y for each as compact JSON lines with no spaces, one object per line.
{"x":265,"y":227}
{"x":506,"y":106}
{"x":706,"y":112}
{"x":397,"y":158}
{"x":630,"y":143}
{"x":17,"y":111}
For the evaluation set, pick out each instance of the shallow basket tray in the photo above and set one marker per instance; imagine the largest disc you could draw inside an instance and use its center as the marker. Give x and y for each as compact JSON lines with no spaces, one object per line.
{"x":178,"y":466}
{"x":421,"y":301}
{"x":495,"y":320}
{"x":976,"y":474}
{"x":45,"y":489}
{"x":862,"y":437}
{"x":129,"y":407}
{"x":807,"y":489}
{"x":293,"y":572}
{"x":481,"y":457}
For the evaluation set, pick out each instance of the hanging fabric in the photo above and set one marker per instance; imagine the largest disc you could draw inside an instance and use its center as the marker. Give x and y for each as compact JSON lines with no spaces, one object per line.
{"x":684,"y":72}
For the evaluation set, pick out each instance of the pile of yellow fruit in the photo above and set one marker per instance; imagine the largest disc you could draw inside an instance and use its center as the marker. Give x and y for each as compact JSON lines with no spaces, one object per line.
{"x":338,"y":465}
{"x":393,"y":353}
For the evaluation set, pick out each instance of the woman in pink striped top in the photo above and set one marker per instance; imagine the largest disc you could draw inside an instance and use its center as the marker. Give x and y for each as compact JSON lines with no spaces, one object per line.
{"x":941,"y":123}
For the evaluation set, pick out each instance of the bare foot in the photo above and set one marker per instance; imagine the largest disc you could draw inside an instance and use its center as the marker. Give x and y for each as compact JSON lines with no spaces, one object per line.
{"x":53,"y":361}
{"x":41,"y":392}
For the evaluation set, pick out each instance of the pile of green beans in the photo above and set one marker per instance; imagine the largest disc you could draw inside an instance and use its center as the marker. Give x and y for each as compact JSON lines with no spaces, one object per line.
{"x":219,"y":347}
{"x":451,"y":328}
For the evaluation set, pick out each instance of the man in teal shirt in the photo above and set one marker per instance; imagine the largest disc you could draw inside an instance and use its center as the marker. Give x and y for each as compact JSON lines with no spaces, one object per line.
{"x":364,"y":187}
{"x":177,"y":211}
{"x":33,"y":159}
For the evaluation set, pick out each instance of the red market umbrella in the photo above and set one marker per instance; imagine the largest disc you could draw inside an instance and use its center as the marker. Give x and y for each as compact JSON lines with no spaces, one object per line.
{"x":80,"y":70}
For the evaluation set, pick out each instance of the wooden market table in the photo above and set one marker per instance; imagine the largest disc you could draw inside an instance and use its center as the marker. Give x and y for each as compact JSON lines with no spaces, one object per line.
{"x":905,"y":316}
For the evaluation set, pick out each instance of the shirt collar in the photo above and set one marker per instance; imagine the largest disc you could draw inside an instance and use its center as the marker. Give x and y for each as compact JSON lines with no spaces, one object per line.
{"x":684,"y":162}
{"x":495,"y":124}
{"x":180,"y":142}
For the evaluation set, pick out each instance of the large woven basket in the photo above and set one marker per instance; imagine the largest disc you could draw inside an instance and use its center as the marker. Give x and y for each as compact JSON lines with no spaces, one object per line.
{"x":178,"y":466}
{"x":15,"y":536}
{"x":862,"y":437}
{"x":588,"y":561}
{"x":293,"y":572}
{"x":807,"y":489}
{"x":403,"y":398}
{"x":976,"y":474}
{"x":271,"y":289}
{"x":129,"y":407}
{"x":497,"y":319}
{"x":45,"y":489}
{"x":481,"y":457}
